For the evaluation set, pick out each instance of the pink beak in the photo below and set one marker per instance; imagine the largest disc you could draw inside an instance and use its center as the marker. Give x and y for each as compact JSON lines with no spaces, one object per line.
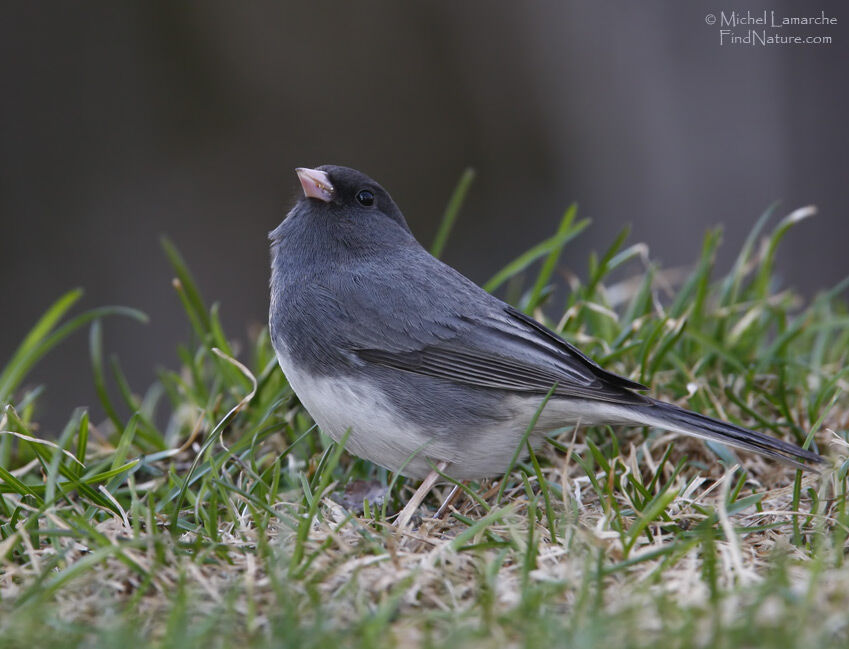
{"x":316,"y":184}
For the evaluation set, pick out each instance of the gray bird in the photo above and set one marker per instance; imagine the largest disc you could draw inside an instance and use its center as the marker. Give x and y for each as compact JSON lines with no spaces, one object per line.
{"x":424,"y":367}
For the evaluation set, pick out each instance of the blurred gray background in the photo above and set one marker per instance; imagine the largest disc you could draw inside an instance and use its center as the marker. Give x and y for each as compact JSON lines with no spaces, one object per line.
{"x":124,"y":121}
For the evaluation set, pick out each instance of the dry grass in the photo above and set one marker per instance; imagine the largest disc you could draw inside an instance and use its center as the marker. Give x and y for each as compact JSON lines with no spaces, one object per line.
{"x":475,"y":575}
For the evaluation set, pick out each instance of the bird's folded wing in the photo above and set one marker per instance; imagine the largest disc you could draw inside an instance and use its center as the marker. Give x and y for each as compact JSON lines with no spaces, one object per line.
{"x":514,"y":353}
{"x":565,"y":352}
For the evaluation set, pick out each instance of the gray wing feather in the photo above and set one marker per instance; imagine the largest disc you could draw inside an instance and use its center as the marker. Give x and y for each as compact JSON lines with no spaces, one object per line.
{"x":503,"y":353}
{"x":443,"y":325}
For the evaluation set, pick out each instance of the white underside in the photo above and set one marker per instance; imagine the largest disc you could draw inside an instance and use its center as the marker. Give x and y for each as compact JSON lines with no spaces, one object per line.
{"x":380,"y":435}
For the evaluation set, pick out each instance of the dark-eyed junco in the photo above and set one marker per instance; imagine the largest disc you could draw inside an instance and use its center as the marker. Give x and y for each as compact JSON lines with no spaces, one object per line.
{"x":424,"y":367}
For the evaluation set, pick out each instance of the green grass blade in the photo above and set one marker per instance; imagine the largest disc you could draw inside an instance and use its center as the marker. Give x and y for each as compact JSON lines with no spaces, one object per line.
{"x":187,"y":288}
{"x":45,"y":335}
{"x":452,"y":211}
{"x":548,"y":246}
{"x":550,"y":262}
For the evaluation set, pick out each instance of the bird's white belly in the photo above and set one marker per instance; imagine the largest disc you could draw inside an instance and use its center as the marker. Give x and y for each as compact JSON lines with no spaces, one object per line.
{"x":377,"y":433}
{"x":380,"y":434}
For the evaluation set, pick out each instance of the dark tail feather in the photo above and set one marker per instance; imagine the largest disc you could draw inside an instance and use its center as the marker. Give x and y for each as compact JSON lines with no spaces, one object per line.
{"x":668,"y":416}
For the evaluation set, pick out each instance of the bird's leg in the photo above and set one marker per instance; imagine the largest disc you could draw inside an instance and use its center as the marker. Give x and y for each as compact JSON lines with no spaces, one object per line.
{"x":455,"y":492}
{"x":413,"y":504}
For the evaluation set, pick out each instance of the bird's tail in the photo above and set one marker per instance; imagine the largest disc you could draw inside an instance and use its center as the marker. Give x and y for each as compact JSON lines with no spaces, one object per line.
{"x":671,"y":417}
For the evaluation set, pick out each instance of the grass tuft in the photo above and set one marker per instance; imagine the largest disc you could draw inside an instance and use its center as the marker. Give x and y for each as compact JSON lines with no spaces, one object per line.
{"x":208,"y":515}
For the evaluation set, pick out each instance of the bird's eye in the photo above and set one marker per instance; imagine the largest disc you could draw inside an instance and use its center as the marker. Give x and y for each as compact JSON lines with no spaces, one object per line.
{"x":365,"y":197}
